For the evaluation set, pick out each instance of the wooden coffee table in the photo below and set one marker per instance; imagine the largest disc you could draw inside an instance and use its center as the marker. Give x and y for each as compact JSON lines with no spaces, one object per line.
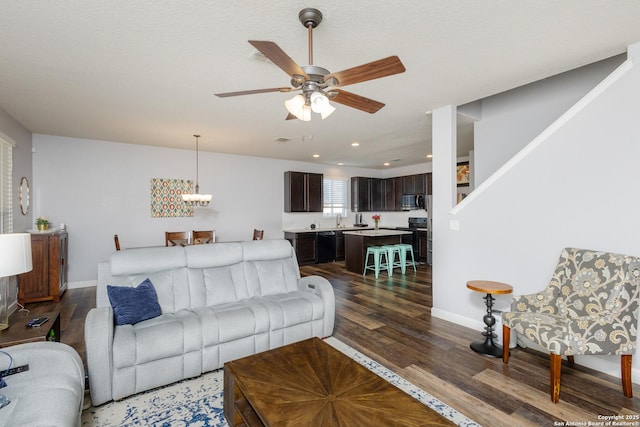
{"x":18,"y":332}
{"x":311,"y":383}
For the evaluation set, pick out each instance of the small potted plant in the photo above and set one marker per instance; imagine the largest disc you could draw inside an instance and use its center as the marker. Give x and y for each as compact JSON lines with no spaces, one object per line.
{"x":42,"y":223}
{"x":376,"y":221}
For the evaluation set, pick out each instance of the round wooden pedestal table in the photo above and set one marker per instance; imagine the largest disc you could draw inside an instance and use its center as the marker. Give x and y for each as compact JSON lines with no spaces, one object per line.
{"x":488,"y":346}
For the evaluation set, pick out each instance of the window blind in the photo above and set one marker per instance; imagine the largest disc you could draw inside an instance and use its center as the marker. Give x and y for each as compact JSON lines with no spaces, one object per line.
{"x":6,"y":197}
{"x":335,"y":197}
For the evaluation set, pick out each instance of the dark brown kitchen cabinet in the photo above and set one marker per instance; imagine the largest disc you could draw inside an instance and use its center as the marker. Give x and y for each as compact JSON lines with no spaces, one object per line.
{"x":376,"y":193}
{"x":339,"y":246}
{"x":414,"y":184}
{"x":393,"y":194}
{"x":48,"y":279}
{"x":302,"y":192}
{"x":360,"y":200}
{"x":367,"y":194}
{"x":305,"y":245}
{"x":423,"y":245}
{"x":428,"y":183}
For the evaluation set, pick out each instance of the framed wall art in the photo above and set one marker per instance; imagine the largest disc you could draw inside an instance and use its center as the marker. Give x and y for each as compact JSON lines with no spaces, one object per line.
{"x":462,"y":174}
{"x":166,"y":197}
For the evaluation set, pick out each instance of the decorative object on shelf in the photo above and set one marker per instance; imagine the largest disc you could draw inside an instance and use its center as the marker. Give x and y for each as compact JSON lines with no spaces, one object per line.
{"x":24,"y":195}
{"x":42,"y":223}
{"x":166,"y":198}
{"x":15,"y":258}
{"x":376,"y":221}
{"x":197,"y":199}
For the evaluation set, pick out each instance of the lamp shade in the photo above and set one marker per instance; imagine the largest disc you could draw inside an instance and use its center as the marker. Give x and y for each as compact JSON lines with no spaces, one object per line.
{"x":15,"y":254}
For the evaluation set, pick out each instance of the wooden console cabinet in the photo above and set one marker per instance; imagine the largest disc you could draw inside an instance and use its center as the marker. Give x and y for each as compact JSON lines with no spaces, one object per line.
{"x":48,"y":279}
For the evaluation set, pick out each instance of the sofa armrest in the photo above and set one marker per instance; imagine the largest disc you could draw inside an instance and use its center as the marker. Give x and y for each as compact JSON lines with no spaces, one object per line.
{"x":98,"y":336}
{"x":322,"y":288}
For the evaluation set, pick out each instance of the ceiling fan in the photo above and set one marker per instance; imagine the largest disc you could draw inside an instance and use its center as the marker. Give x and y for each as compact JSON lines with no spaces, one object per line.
{"x":317,"y":84}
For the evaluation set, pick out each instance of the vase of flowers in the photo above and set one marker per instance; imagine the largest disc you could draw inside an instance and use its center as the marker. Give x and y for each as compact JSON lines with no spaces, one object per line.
{"x":376,"y":221}
{"x":42,"y":223}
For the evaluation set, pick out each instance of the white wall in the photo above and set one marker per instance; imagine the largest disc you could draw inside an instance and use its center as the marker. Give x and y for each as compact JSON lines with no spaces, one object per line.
{"x":512,"y":119}
{"x":99,"y":189}
{"x":574,"y":185}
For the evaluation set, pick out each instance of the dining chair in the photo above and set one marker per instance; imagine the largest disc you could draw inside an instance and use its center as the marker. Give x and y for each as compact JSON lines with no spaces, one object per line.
{"x":177,"y":238}
{"x":203,"y":237}
{"x":258,"y":234}
{"x":116,"y":240}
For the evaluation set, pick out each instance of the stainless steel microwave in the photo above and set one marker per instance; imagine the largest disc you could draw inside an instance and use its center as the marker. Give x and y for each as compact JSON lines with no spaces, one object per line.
{"x":412,"y":202}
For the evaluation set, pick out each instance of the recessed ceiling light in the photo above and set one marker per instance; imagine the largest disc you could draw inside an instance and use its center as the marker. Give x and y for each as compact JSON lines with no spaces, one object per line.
{"x":355,"y":144}
{"x":316,"y":156}
{"x":429,"y":156}
{"x":387,"y":163}
{"x":340,"y":164}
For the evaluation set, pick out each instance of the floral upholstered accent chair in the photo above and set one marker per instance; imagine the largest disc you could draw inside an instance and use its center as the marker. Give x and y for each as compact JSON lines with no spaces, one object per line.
{"x":589,"y":307}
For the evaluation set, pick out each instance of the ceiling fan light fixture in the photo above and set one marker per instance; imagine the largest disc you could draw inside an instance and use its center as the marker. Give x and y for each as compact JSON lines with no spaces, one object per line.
{"x":306,"y":113}
{"x":327,"y":111}
{"x":318,"y":102}
{"x":295,"y":105}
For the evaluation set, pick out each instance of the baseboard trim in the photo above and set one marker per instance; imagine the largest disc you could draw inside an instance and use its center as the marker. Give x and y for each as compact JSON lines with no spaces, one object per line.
{"x":78,"y":285}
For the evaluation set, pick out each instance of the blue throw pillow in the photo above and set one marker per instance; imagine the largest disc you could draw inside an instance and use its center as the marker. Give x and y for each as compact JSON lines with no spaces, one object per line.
{"x":133,"y":305}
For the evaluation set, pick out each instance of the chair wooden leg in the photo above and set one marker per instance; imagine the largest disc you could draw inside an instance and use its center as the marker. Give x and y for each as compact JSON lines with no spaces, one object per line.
{"x":571,"y":360}
{"x":506,"y":339}
{"x":625,"y":365}
{"x":555,"y":366}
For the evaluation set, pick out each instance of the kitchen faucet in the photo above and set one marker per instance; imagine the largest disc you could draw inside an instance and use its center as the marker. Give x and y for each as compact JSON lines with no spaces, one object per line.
{"x":338,"y":220}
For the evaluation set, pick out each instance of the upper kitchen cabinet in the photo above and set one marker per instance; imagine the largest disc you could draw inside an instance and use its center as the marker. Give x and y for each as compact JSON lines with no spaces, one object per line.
{"x":428,"y":183}
{"x":360,"y":200}
{"x":302,"y":192}
{"x":414,"y":184}
{"x":393,"y":194}
{"x":367,"y":194}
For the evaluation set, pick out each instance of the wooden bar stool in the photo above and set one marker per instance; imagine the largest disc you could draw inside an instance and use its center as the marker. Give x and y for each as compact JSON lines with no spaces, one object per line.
{"x":403,"y":249}
{"x":377,"y":252}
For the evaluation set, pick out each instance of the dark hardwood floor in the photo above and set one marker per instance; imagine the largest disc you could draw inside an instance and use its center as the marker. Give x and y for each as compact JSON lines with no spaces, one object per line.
{"x":389,"y":320}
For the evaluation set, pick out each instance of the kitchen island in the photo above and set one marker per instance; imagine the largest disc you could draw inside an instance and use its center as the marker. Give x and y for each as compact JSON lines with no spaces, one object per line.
{"x":357,"y":242}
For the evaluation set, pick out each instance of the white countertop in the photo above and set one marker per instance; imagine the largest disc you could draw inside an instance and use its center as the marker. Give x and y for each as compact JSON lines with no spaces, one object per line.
{"x":377,"y":233}
{"x":315,"y":230}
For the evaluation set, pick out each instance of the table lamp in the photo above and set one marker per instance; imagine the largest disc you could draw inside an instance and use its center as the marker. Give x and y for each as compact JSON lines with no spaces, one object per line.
{"x":15,"y":258}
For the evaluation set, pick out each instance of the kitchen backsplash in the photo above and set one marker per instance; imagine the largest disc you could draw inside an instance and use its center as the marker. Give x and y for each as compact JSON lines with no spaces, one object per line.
{"x":296,"y":221}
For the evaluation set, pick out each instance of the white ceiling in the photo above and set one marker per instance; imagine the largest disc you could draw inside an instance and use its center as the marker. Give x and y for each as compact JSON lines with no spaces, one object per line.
{"x":145,"y":71}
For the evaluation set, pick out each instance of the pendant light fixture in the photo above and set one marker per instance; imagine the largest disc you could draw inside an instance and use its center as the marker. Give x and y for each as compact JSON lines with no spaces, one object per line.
{"x":197,"y":199}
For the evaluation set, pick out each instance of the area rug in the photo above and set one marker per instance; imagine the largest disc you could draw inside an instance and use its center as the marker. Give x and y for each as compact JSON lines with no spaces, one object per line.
{"x":198,"y":402}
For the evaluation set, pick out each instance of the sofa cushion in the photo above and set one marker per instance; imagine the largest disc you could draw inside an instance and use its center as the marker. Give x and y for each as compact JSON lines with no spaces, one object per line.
{"x":165,"y":336}
{"x":133,"y":305}
{"x":147,"y":260}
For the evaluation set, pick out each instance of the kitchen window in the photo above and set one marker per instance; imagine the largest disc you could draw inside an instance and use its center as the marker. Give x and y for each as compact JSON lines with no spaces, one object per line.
{"x":334,"y":192}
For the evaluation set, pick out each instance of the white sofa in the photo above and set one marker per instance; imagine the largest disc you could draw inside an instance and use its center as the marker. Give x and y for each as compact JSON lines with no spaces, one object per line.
{"x":219,"y":302}
{"x":50,"y":392}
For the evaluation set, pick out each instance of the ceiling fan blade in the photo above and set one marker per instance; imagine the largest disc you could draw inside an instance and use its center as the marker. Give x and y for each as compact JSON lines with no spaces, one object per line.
{"x":356,"y":101}
{"x":279,"y":57}
{"x":251,"y":92}
{"x":372,"y":70}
